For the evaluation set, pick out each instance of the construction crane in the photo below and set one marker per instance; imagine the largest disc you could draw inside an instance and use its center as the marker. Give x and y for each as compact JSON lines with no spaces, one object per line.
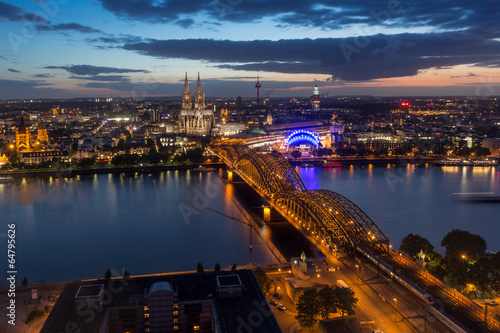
{"x":250,"y":231}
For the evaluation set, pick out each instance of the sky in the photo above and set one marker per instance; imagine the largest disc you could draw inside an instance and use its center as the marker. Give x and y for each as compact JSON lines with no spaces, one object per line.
{"x":142,"y":48}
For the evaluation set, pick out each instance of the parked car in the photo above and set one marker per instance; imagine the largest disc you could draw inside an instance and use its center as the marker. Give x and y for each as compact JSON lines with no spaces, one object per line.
{"x":493,"y":303}
{"x":272,"y":301}
{"x":281,"y":307}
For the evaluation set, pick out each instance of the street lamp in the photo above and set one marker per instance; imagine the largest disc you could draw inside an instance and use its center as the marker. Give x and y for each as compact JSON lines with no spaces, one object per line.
{"x":396,"y":314}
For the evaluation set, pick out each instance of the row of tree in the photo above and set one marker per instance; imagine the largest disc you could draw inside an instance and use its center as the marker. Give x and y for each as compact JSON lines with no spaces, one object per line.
{"x":465,"y":260}
{"x":316,"y":304}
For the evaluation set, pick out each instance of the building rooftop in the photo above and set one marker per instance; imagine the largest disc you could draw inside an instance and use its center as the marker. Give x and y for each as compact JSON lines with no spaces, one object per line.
{"x":231,"y":312}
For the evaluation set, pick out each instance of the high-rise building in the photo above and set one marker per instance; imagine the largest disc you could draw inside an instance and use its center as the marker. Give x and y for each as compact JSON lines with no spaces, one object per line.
{"x":315,"y":104}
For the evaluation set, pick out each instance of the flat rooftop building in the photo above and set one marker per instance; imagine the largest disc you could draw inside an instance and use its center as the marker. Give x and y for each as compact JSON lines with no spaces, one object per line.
{"x":218,"y":302}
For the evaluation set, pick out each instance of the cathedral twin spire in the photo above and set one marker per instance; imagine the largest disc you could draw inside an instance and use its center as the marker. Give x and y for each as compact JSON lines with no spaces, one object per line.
{"x":199,"y":96}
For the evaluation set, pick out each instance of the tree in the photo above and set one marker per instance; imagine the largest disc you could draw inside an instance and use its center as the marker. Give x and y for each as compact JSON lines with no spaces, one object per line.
{"x":326,"y":300}
{"x":107,"y":275}
{"x":308,"y":308}
{"x":126,"y":274}
{"x":264,"y":281}
{"x":234,"y":267}
{"x":217,"y":267}
{"x":199,"y":268}
{"x":413,"y":244}
{"x":296,"y":154}
{"x":483,"y":151}
{"x":345,"y":300}
{"x":480,"y":275}
{"x":25,"y":282}
{"x":461,"y":243}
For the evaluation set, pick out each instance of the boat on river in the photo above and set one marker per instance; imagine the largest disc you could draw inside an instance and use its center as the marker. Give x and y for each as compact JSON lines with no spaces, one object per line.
{"x":6,"y":179}
{"x":202,"y":168}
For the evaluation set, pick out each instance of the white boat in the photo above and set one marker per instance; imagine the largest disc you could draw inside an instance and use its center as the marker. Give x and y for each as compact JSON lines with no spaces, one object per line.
{"x":202,"y":168}
{"x":6,"y":179}
{"x":467,"y":162}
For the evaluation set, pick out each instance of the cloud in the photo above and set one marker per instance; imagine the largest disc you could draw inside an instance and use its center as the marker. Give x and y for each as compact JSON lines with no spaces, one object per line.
{"x":43,"y":75}
{"x":481,"y":16}
{"x":351,"y":59}
{"x":10,"y":13}
{"x":95,"y":70}
{"x":10,"y":89}
{"x":108,"y":78}
{"x":13,"y":70}
{"x":69,"y":26}
{"x":185,"y":23}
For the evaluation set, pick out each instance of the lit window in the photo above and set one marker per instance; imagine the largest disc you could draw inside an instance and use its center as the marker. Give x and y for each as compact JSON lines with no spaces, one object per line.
{"x":176,"y":313}
{"x":196,"y":328}
{"x":176,"y":328}
{"x":176,"y":320}
{"x":146,"y":315}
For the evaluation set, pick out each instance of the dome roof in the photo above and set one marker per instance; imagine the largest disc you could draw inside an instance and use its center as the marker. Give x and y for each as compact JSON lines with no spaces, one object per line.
{"x":159,"y":286}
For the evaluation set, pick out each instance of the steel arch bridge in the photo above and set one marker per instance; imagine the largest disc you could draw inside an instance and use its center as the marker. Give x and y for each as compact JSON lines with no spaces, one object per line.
{"x":332,"y":219}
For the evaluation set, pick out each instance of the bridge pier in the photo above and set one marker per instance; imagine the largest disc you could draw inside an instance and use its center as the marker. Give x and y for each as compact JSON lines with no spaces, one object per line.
{"x":229,"y":176}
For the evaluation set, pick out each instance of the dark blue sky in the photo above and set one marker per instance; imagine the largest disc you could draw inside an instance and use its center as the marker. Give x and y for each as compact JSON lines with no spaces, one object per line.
{"x":121,"y":48}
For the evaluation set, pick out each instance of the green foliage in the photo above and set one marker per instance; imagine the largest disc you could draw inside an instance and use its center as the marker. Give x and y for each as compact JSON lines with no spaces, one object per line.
{"x":125,"y":159}
{"x":413,"y":244}
{"x":85,"y":162}
{"x":34,"y":315}
{"x":346,"y":152}
{"x":199,"y":268}
{"x":308,"y":308}
{"x":234,"y":267}
{"x":345,"y":300}
{"x":437,"y":265}
{"x":326,"y":302}
{"x":483,"y":151}
{"x":265,"y":282}
{"x":313,"y":304}
{"x":461,"y":242}
{"x":217,"y":267}
{"x":296,"y":154}
{"x":107,"y":275}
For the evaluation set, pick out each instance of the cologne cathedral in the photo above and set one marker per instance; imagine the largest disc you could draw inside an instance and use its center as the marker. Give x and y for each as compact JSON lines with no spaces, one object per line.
{"x":195,"y":119}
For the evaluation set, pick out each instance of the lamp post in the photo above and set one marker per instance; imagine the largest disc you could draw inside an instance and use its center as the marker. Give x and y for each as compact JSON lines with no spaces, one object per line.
{"x":486,"y":317}
{"x":396,"y":314}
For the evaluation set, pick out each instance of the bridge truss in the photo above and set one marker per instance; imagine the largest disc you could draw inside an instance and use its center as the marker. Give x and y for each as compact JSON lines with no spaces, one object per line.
{"x":331,"y":218}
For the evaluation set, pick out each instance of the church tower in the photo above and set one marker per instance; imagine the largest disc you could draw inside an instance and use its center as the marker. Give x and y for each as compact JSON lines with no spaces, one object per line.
{"x":199,"y":96}
{"x":186,"y":96}
{"x":42,"y":133}
{"x":23,"y":136}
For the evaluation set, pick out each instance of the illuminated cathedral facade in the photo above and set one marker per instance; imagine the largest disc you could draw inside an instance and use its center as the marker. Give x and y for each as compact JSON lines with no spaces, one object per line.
{"x":195,"y":119}
{"x":24,"y":139}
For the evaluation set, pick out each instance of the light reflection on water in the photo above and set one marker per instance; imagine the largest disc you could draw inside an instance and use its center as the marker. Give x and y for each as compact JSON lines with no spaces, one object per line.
{"x":417,"y":199}
{"x":77,"y":228}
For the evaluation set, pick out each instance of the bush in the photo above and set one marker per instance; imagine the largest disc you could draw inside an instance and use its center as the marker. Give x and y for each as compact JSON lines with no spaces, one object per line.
{"x":34,"y":315}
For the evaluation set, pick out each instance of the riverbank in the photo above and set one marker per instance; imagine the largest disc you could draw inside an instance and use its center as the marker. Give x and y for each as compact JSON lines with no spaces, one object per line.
{"x":318,"y":161}
{"x":70,"y":172}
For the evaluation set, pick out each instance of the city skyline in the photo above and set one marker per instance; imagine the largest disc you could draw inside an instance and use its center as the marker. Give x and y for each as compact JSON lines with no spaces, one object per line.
{"x":110,"y":48}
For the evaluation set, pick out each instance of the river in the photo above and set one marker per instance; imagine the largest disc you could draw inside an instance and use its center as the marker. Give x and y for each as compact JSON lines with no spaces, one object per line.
{"x":68,"y":229}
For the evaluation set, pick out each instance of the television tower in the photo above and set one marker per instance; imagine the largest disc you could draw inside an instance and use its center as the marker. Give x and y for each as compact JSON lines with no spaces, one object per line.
{"x":257,"y":85}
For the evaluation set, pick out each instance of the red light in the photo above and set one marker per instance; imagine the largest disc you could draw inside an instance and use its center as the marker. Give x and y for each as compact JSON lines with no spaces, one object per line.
{"x":405,"y":104}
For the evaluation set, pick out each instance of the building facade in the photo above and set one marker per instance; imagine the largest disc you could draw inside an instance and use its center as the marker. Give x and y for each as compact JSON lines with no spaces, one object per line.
{"x":195,"y":119}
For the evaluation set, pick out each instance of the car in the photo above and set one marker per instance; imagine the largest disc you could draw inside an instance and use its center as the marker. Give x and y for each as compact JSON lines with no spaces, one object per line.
{"x":272,"y":301}
{"x":493,"y":303}
{"x":281,"y":307}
